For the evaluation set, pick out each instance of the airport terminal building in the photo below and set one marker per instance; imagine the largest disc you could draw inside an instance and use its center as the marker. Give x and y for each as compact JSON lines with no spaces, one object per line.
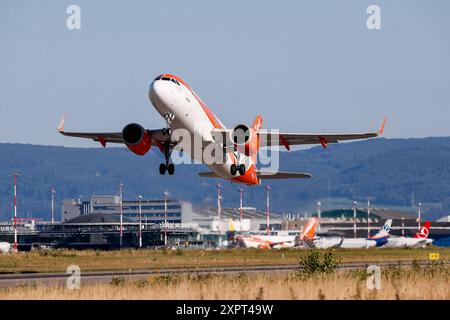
{"x":149,"y":211}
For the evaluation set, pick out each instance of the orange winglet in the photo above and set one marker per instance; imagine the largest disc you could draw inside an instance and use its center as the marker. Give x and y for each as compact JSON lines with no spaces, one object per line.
{"x":61,"y":125}
{"x":323,"y":142}
{"x":102,"y":141}
{"x":382,"y":126}
{"x":257,"y":124}
{"x":285,"y":143}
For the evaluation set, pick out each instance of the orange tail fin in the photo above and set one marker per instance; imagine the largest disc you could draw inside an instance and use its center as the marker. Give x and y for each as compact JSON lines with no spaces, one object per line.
{"x":310,"y":229}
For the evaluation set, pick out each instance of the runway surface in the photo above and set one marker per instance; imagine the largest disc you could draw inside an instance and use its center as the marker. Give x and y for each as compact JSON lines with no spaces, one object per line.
{"x":91,"y":277}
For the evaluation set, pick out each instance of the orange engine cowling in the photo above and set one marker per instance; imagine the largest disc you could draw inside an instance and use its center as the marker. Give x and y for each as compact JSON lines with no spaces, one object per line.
{"x":137,"y":139}
{"x":245,"y":140}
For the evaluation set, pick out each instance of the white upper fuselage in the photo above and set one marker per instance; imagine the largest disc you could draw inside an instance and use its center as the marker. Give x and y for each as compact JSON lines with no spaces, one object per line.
{"x":348,"y":243}
{"x":402,"y":242}
{"x":169,"y":94}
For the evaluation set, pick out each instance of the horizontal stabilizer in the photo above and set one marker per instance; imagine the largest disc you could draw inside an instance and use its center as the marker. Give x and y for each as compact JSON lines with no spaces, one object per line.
{"x":268,"y":175}
{"x":208,"y":175}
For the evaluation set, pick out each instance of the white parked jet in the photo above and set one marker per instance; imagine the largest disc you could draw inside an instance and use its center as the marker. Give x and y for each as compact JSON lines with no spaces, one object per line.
{"x":420,"y":239}
{"x":377,"y":240}
{"x":5,"y":247}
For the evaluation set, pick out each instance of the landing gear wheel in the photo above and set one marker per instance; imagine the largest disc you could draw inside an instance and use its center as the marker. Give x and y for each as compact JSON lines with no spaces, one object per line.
{"x":166,"y":131}
{"x":162,"y":168}
{"x":242,"y":169}
{"x":170,"y":168}
{"x":233,"y":169}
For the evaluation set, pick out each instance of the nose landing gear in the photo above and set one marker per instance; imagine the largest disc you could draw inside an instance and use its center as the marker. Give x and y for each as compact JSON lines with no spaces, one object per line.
{"x":168,"y":117}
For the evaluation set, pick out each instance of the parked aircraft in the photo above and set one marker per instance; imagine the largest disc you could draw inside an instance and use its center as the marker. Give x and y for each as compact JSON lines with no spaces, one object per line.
{"x":5,"y":247}
{"x":279,"y":241}
{"x":377,"y":240}
{"x":420,"y":239}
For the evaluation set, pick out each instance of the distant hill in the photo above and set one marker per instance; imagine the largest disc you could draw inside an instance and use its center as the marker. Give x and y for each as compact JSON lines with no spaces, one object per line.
{"x":391,"y":170}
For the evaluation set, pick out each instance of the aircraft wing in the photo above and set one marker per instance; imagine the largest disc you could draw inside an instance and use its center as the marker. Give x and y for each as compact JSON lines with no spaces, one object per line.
{"x":268,"y":138}
{"x":208,"y":175}
{"x":291,"y":139}
{"x":111,"y":137}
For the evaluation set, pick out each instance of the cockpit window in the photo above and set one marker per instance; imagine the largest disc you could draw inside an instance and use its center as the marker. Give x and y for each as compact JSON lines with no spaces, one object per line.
{"x":167,"y":79}
{"x":175,"y":81}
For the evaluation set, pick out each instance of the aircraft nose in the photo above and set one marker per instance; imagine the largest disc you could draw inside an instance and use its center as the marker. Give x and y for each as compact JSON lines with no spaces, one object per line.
{"x":153,"y":92}
{"x":161,"y":93}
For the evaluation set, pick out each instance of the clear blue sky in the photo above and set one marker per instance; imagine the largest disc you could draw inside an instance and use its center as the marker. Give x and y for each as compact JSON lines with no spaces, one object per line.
{"x":306,"y":66}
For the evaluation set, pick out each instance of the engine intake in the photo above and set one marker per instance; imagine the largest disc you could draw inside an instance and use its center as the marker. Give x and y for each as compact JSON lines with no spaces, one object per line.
{"x":137,"y":139}
{"x":245,"y":139}
{"x":241,"y":134}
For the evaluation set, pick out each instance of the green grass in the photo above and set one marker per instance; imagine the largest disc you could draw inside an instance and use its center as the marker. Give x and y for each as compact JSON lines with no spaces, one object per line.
{"x":89,"y":260}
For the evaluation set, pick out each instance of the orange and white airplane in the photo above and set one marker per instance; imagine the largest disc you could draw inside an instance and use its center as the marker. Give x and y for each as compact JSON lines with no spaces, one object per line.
{"x":302,"y":240}
{"x":188,"y":120}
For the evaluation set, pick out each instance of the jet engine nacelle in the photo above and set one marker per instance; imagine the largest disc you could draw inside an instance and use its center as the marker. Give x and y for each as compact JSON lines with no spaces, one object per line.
{"x":137,"y":139}
{"x":245,"y":139}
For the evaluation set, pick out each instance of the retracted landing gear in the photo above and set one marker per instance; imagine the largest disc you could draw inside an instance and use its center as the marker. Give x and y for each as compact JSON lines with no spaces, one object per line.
{"x":169,"y":167}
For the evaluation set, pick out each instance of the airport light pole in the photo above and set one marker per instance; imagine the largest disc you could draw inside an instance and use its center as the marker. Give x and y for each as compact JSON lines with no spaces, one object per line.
{"x":166,"y":195}
{"x":268,"y":189}
{"x":319,"y":214}
{"x":219,"y":212}
{"x":241,"y":193}
{"x":403,"y":226}
{"x":121,"y":214}
{"x":368,"y":218}
{"x":354,"y":219}
{"x":419,"y":205}
{"x":53,"y":191}
{"x":15,"y":175}
{"x":140,"y":221}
